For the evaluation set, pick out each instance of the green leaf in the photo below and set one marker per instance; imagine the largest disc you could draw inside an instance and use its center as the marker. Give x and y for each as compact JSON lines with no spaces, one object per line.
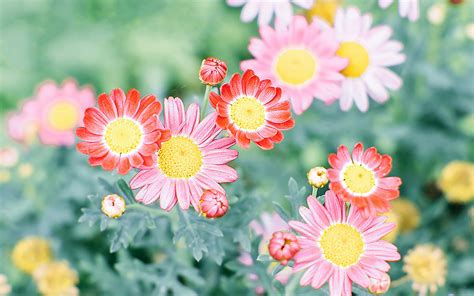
{"x":280,"y":211}
{"x":126,"y":191}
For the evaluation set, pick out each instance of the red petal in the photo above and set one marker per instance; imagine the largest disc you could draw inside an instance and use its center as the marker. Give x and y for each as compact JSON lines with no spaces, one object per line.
{"x":132,"y":102}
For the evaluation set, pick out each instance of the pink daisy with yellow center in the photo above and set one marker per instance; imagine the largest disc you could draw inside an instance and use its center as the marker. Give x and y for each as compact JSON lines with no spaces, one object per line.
{"x":189,"y":163}
{"x":341,"y":248}
{"x":361,"y":179}
{"x":300,"y":59}
{"x":124,"y":132}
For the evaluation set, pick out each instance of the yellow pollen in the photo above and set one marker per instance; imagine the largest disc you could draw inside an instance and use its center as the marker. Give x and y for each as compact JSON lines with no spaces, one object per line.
{"x":247,"y":113}
{"x":295,"y":66}
{"x":180,"y":157}
{"x":62,"y":116}
{"x":358,"y":179}
{"x":342,"y":245}
{"x":123,"y":135}
{"x":358,"y":58}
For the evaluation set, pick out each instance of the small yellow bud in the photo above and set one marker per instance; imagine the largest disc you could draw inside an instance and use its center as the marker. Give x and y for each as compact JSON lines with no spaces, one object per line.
{"x":317,"y":177}
{"x":113,"y":206}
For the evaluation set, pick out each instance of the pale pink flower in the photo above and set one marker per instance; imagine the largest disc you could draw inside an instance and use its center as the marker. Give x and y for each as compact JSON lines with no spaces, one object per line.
{"x":265,"y":9}
{"x":283,"y":246}
{"x":213,"y":204}
{"x":213,"y":71}
{"x":8,"y":157}
{"x":406,"y":8}
{"x":113,"y":206}
{"x":380,"y":284}
{"x":341,"y":248}
{"x":189,"y":163}
{"x":369,"y":52}
{"x":23,"y":125}
{"x":300,"y":59}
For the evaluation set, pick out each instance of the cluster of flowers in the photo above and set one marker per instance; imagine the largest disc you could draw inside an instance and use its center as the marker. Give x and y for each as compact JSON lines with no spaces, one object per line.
{"x":33,"y":255}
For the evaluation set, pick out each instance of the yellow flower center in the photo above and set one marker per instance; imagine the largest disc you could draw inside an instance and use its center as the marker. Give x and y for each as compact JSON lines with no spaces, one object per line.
{"x":295,"y":66}
{"x":358,"y":58}
{"x":358,"y":179}
{"x":247,"y":113}
{"x":123,"y":135}
{"x":342,"y":245}
{"x":62,"y":116}
{"x":179,"y":157}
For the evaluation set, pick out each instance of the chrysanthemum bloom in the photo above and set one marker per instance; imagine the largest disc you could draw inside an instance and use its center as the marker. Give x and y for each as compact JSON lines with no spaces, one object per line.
{"x":23,"y":126}
{"x":426,"y":267}
{"x":408,"y":214}
{"x":56,"y":278}
{"x":392,"y":217}
{"x":265,"y":9}
{"x":300,"y":59}
{"x":361,"y":179}
{"x":5,"y":288}
{"x":191,"y":161}
{"x":283,"y":246}
{"x":31,"y":252}
{"x":8,"y":157}
{"x":113,"y":206}
{"x":124,"y":132}
{"x":406,"y":8}
{"x":369,"y":52}
{"x":251,"y":110}
{"x":379,"y":285}
{"x":213,"y":71}
{"x":457,"y":181}
{"x":324,"y":9}
{"x":213,"y":204}
{"x":317,"y":177}
{"x":340,"y":248}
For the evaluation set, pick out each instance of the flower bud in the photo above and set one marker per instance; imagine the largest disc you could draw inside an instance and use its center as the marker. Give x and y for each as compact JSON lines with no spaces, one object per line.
{"x":213,"y":71}
{"x":379,"y":285}
{"x":213,"y":204}
{"x":317,"y":177}
{"x":113,"y":206}
{"x":283,"y":246}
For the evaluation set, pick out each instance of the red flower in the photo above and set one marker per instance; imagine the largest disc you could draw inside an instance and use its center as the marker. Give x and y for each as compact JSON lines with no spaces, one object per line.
{"x":213,"y":71}
{"x":124,"y":132}
{"x":250,"y":109}
{"x":213,"y":204}
{"x":283,"y":246}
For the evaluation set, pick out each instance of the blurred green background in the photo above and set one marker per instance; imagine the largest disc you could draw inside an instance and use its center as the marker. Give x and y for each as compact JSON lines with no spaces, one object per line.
{"x":157,"y":47}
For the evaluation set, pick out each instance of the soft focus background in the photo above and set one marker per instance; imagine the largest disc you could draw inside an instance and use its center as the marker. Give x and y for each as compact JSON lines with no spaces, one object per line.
{"x":157,"y":47}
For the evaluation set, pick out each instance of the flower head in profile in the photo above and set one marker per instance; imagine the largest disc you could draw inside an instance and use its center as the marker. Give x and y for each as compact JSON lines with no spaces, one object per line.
{"x":213,"y":71}
{"x":300,"y":59}
{"x":457,"y":181}
{"x":283,"y":246}
{"x":56,"y":278}
{"x":406,"y":8}
{"x":380,"y":284}
{"x":52,"y":113}
{"x":340,"y":248}
{"x":369,"y":52}
{"x":426,"y":267}
{"x":266,"y":9}
{"x":31,"y":252}
{"x":362,"y":179}
{"x":123,"y":132}
{"x":191,"y":161}
{"x":213,"y":204}
{"x":251,"y":109}
{"x":113,"y":206}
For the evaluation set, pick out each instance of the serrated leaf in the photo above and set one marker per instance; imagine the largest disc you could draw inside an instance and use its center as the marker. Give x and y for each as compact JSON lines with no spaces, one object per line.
{"x":321,"y":199}
{"x":126,"y":191}
{"x":120,"y":239}
{"x":89,"y":216}
{"x":106,"y":185}
{"x":280,"y":211}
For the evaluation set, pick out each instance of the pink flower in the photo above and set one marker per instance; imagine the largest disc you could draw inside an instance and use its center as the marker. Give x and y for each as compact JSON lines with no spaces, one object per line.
{"x":379,"y":285}
{"x":369,"y":52}
{"x":113,"y":206}
{"x":213,"y":71}
{"x":341,"y":248}
{"x":300,"y":59}
{"x":8,"y":157}
{"x":189,"y":163}
{"x":283,"y":246}
{"x":213,"y":204}
{"x":362,"y":179}
{"x":23,"y":126}
{"x":406,"y":8}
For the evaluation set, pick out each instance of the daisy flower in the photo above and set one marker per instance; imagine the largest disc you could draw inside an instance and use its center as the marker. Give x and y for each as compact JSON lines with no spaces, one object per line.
{"x":189,"y":163}
{"x":300,"y":59}
{"x":266,"y":8}
{"x":250,"y":109}
{"x":23,"y":125}
{"x":361,"y":179}
{"x":369,"y":52}
{"x":406,"y":8}
{"x":124,"y":132}
{"x":340,"y":248}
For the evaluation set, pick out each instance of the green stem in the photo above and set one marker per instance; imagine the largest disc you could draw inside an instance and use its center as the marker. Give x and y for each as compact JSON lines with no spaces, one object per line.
{"x":400,"y":281}
{"x":143,"y":208}
{"x":205,"y":101}
{"x":315,"y":192}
